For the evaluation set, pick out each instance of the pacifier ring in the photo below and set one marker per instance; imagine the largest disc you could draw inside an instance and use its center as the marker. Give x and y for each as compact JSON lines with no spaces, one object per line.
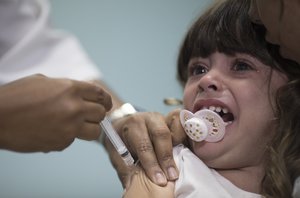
{"x":196,"y":129}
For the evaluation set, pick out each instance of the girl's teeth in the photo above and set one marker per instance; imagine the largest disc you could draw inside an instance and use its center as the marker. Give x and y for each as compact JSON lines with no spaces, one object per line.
{"x":225,"y":110}
{"x":217,"y":109}
{"x":212,"y":108}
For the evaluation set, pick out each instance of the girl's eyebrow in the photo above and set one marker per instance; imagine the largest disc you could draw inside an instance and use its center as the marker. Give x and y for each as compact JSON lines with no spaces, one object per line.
{"x":195,"y":60}
{"x":248,"y":56}
{"x":192,"y":60}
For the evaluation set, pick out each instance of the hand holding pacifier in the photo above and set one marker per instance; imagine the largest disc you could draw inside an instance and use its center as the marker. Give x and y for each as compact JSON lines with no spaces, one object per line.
{"x":203,"y":125}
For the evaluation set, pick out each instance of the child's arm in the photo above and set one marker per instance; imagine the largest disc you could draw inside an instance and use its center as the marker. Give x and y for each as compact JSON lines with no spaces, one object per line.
{"x":141,"y":186}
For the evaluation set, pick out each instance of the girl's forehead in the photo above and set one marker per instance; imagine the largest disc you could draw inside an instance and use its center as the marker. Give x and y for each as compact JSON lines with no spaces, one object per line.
{"x":229,"y":55}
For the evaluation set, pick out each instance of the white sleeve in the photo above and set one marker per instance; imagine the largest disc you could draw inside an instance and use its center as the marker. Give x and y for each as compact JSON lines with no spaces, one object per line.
{"x":41,"y":49}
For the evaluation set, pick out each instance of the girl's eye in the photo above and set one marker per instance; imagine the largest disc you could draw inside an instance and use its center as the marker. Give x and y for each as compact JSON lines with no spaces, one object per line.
{"x":241,"y":66}
{"x":197,"y":69}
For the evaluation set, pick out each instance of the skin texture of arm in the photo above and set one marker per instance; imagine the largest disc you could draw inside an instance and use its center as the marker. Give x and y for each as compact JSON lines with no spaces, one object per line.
{"x":141,"y":186}
{"x":281,"y":19}
{"x":46,"y":114}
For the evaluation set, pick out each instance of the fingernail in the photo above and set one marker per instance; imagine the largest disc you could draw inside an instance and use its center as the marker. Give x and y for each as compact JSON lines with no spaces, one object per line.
{"x":160,"y":178}
{"x":172,"y":173}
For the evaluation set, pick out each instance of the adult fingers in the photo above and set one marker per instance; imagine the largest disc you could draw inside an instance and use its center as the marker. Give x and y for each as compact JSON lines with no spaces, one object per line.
{"x":162,"y":142}
{"x":89,"y":131}
{"x":93,"y":92}
{"x":94,"y":112}
{"x":135,"y":134}
{"x":177,"y":132}
{"x":141,"y":185}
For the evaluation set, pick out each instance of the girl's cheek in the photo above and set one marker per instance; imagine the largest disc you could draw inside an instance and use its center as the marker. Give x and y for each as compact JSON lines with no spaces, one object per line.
{"x":184,"y":100}
{"x":188,"y":96}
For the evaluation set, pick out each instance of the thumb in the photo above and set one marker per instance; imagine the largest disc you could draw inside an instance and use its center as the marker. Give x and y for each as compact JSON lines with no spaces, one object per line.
{"x":177,"y":132}
{"x":93,"y":92}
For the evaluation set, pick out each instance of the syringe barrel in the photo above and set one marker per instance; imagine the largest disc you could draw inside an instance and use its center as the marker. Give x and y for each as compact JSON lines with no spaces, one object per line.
{"x":115,"y":139}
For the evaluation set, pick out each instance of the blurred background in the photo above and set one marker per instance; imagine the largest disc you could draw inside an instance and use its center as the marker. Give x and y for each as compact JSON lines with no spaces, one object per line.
{"x":135,"y":45}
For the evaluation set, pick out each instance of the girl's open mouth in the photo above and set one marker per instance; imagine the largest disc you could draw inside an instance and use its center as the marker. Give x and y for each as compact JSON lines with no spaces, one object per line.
{"x":223,"y":112}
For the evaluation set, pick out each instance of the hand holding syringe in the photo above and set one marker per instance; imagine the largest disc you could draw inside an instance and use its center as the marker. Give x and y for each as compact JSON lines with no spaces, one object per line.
{"x":116,"y":141}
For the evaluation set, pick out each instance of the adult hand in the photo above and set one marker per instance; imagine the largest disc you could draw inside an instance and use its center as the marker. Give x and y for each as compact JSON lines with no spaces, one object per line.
{"x":142,"y":186}
{"x":281,"y":19}
{"x":46,"y":114}
{"x":150,"y":138}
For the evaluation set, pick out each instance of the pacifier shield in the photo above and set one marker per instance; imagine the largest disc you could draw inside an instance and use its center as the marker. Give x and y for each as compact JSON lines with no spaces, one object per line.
{"x":203,"y":125}
{"x":215,"y":124}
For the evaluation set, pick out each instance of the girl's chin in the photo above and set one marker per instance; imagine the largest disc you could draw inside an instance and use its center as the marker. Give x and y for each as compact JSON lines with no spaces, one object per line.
{"x":206,"y":150}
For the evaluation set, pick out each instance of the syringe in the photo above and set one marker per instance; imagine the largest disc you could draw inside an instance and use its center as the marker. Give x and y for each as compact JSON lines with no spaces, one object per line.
{"x":116,"y":141}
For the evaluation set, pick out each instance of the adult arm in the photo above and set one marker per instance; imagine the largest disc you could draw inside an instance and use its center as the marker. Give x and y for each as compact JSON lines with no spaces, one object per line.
{"x":281,"y":19}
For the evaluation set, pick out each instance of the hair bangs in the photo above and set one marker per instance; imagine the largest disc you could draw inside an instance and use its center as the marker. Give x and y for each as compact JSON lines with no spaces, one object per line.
{"x":226,"y":29}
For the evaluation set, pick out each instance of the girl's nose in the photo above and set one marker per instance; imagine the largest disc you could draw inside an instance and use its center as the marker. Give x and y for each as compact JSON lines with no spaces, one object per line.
{"x":210,"y":82}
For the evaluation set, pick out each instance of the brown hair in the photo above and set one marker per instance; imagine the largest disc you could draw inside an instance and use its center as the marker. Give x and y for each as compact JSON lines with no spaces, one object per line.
{"x":226,"y":27}
{"x":284,"y":162}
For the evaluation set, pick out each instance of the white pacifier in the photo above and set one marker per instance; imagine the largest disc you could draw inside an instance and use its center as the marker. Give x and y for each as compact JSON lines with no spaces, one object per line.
{"x":203,"y":125}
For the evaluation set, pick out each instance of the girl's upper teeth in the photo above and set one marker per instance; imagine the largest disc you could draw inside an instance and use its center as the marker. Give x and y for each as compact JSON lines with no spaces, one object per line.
{"x":217,"y":109}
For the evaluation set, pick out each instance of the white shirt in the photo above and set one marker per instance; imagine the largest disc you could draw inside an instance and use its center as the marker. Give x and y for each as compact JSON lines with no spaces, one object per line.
{"x":197,"y":180}
{"x":29,"y":45}
{"x":296,"y":192}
